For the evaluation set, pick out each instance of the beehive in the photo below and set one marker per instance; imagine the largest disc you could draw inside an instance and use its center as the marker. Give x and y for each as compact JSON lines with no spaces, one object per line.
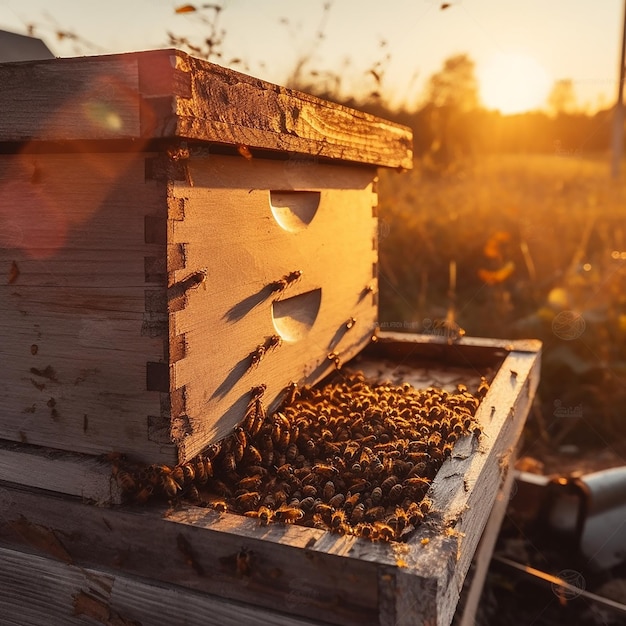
{"x":173,"y":235}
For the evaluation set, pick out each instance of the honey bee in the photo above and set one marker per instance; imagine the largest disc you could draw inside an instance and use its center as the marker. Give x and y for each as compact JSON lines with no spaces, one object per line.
{"x":248,"y":500}
{"x":292,"y":452}
{"x":483,"y":387}
{"x":157,"y":471}
{"x":256,"y":355}
{"x":383,"y":532}
{"x":284,"y":471}
{"x":285,"y":281}
{"x":376,"y":495}
{"x":398,"y":521}
{"x":208,"y":465}
{"x":240,"y":442}
{"x":195,"y":471}
{"x":351,"y":500}
{"x":253,"y":421}
{"x":364,"y":530}
{"x":434,"y":439}
{"x":244,"y":151}
{"x":193,"y":494}
{"x":144,"y":494}
{"x":366,"y":457}
{"x":324,"y":470}
{"x":367,"y":290}
{"x":337,"y":519}
{"x":309,"y":491}
{"x":417,"y":481}
{"x":229,"y":462}
{"x":221,"y":506}
{"x":288,"y":515}
{"x":269,"y":501}
{"x":281,"y":431}
{"x":329,"y":490}
{"x":178,"y":152}
{"x":337,"y":500}
{"x":125,"y":479}
{"x":375,"y":513}
{"x":335,"y":358}
{"x":377,"y":465}
{"x":395,"y":493}
{"x":179,"y":476}
{"x":350,"y":323}
{"x":264,"y":514}
{"x":359,"y":485}
{"x":325,"y":511}
{"x":250,"y":483}
{"x":253,"y":456}
{"x":267,"y":450}
{"x":425,"y":505}
{"x":307,"y":503}
{"x":414,"y":514}
{"x":351,"y":449}
{"x":358,"y":513}
{"x":272,"y":342}
{"x":244,"y":562}
{"x":258,"y":391}
{"x":292,"y":393}
{"x":256,"y":470}
{"x":169,"y":485}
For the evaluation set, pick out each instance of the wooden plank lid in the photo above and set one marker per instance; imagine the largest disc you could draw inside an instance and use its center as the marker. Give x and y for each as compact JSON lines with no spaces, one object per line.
{"x":169,"y":94}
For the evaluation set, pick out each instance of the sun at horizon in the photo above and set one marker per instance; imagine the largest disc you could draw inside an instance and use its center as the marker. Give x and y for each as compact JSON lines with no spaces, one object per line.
{"x":513,"y":83}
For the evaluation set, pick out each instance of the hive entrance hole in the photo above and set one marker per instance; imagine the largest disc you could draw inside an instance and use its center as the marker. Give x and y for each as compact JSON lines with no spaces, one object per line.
{"x":293,"y":317}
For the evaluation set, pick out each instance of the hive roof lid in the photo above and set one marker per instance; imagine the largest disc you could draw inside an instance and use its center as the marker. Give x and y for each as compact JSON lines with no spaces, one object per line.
{"x":170,"y":94}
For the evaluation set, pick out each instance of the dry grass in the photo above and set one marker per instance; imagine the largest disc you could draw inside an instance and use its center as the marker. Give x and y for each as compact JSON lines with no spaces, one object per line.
{"x":539,"y":244}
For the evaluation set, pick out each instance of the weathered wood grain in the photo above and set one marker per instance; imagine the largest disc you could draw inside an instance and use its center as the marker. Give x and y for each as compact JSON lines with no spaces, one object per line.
{"x":74,"y":474}
{"x":73,"y":313}
{"x":200,"y":550}
{"x":167,"y":93}
{"x":36,"y":590}
{"x":238,"y":233}
{"x":474,"y":582}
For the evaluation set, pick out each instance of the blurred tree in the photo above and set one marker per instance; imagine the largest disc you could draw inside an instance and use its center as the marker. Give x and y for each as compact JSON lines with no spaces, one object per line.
{"x":562,"y":97}
{"x":452,"y":96}
{"x":455,"y":85}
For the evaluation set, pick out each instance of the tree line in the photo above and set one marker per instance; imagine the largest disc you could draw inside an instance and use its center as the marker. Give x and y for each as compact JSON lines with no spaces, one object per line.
{"x":451,"y":124}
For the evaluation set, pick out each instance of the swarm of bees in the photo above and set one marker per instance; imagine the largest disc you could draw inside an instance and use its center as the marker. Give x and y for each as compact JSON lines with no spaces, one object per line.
{"x":351,"y":457}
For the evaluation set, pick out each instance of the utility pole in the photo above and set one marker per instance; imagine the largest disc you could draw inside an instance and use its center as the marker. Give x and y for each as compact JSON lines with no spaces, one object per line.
{"x":618,"y":114}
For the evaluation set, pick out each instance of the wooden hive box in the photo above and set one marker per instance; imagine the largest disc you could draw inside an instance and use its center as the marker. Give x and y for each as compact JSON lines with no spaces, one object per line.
{"x":147,"y":258}
{"x":186,"y":564}
{"x":165,"y":223}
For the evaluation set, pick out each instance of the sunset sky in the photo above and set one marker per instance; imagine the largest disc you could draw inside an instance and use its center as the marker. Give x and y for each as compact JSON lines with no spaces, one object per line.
{"x":520,"y":47}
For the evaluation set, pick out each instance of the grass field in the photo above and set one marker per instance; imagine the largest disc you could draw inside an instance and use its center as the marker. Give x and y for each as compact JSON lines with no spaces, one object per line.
{"x":520,"y":246}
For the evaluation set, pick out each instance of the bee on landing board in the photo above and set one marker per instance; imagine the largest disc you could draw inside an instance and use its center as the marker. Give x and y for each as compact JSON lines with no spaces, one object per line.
{"x":288,"y":515}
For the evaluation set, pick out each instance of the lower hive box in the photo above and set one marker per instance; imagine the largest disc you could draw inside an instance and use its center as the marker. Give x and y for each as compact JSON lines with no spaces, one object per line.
{"x":169,"y":560}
